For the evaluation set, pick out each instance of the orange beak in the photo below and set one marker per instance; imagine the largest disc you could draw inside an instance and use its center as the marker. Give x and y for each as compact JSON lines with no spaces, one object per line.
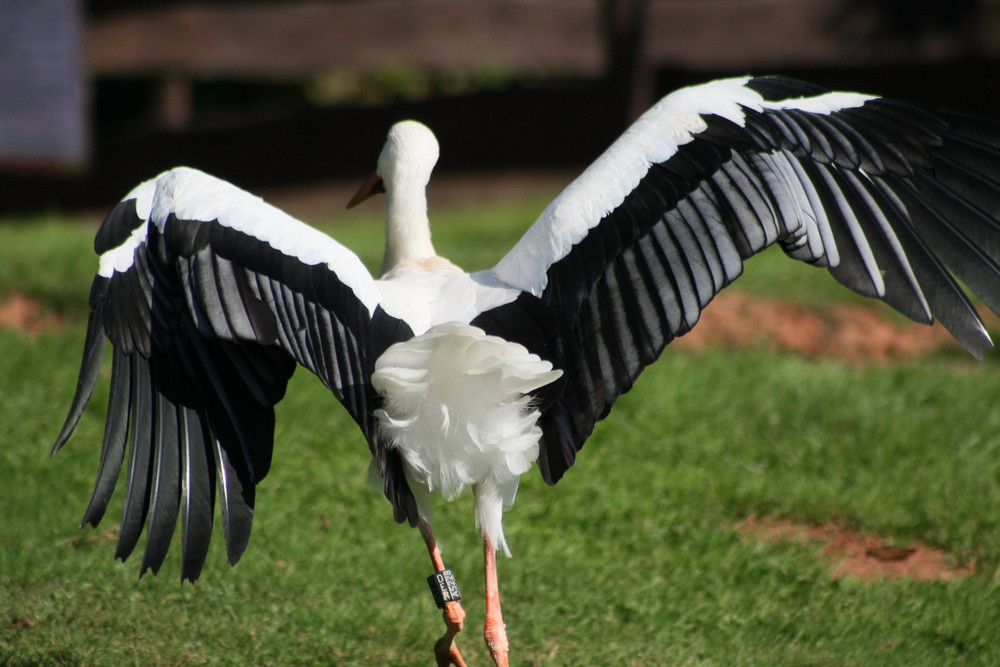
{"x":372,"y":186}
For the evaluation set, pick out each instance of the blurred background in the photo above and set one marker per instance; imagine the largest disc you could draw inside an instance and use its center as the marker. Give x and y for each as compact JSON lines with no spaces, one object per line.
{"x":96,"y":95}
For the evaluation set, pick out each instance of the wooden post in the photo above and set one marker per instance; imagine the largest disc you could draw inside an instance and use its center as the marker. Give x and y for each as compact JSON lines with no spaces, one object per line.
{"x":175,"y":102}
{"x":630,"y":74}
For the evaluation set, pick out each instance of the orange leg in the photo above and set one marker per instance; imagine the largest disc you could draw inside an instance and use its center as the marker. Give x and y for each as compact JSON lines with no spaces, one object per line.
{"x":494,"y":632}
{"x":445,"y":650}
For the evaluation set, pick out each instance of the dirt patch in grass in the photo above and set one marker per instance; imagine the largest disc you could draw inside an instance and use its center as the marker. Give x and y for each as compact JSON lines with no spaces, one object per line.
{"x":859,"y":555}
{"x":26,"y":315}
{"x":852,"y":333}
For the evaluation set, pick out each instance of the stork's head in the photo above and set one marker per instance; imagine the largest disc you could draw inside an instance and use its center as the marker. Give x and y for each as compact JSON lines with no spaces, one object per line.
{"x":406,"y":161}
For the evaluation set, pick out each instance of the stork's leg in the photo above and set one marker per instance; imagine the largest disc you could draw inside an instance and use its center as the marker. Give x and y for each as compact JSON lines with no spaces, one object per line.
{"x":445,"y":650}
{"x":494,"y":632}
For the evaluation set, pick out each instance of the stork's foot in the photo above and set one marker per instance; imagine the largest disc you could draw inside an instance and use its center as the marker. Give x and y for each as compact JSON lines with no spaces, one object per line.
{"x":445,"y":651}
{"x":495,"y":634}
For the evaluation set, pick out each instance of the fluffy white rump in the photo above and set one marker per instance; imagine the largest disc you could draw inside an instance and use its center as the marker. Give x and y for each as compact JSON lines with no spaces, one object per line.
{"x":455,"y":406}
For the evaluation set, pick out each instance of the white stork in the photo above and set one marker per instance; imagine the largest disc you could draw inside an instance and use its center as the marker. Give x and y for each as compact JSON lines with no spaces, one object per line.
{"x":210,"y":298}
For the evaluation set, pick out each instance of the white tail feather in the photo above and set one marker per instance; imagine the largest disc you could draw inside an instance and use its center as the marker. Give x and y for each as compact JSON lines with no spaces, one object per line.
{"x":456,"y":406}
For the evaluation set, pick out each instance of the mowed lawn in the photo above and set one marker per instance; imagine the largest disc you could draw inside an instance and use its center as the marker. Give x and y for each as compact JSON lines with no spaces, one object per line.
{"x":633,"y":559}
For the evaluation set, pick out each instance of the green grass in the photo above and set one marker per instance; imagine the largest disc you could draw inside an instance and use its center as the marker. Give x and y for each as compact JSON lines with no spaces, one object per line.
{"x":631,"y":560}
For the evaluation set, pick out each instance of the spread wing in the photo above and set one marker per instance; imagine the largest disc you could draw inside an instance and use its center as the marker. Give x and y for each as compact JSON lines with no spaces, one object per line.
{"x":209,"y":297}
{"x":898,"y":202}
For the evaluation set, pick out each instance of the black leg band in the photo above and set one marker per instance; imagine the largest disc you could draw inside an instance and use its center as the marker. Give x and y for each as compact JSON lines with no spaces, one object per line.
{"x":444,"y":588}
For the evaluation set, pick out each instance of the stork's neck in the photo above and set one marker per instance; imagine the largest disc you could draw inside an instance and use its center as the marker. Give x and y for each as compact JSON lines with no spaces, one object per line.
{"x":407,"y":229}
